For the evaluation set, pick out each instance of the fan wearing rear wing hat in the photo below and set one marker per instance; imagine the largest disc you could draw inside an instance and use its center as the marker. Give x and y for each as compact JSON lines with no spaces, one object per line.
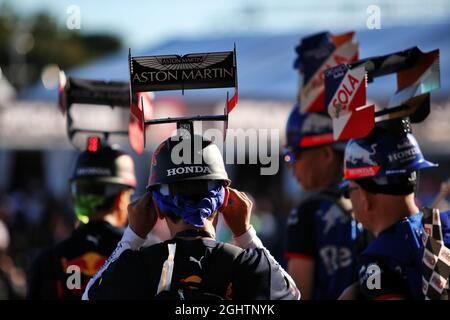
{"x":315,"y":54}
{"x":322,"y":238}
{"x":345,"y":91}
{"x":381,"y":167}
{"x":106,"y":105}
{"x":101,"y":184}
{"x":189,"y":193}
{"x":175,"y":72}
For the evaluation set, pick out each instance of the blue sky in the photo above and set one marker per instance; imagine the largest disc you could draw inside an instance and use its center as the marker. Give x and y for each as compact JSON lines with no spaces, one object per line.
{"x":142,"y":23}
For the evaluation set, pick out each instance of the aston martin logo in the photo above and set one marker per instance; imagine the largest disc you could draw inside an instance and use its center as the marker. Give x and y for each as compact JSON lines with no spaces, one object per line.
{"x":177,"y":62}
{"x":190,"y":71}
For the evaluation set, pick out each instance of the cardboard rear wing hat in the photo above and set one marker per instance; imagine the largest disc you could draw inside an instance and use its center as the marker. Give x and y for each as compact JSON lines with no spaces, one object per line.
{"x":417,"y":75}
{"x":315,"y":54}
{"x":96,"y":94}
{"x":176,"y":72}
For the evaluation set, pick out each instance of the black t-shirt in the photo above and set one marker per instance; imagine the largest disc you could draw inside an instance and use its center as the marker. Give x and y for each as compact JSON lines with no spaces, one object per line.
{"x":54,"y":273}
{"x":202,"y":264}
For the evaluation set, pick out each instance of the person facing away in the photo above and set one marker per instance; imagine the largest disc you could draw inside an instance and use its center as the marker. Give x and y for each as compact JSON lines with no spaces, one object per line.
{"x":101,"y":184}
{"x":193,"y":264}
{"x":382,"y":175}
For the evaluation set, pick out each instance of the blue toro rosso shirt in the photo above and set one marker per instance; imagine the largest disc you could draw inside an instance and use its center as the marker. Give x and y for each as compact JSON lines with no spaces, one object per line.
{"x":322,"y":230}
{"x":396,"y":255}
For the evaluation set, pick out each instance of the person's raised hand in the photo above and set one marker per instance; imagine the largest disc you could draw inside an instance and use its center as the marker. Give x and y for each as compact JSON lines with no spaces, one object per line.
{"x":142,"y":215}
{"x":237,"y":212}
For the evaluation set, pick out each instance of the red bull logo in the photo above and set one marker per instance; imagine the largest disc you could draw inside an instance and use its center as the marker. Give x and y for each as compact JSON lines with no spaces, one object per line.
{"x":192,"y":282}
{"x":89,"y":263}
{"x":358,"y":155}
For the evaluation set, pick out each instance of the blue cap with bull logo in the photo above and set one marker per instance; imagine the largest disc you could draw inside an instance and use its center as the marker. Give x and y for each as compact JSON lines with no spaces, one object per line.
{"x":383,"y":154}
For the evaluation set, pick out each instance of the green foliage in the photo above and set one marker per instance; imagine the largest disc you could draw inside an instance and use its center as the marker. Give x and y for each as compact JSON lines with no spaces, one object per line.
{"x":51,"y":43}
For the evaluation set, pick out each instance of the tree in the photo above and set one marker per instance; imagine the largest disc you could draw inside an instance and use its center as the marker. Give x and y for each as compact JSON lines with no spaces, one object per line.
{"x":29,"y":43}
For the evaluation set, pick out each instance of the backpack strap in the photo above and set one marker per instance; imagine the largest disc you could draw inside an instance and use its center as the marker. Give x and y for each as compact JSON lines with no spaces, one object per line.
{"x":165,"y":280}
